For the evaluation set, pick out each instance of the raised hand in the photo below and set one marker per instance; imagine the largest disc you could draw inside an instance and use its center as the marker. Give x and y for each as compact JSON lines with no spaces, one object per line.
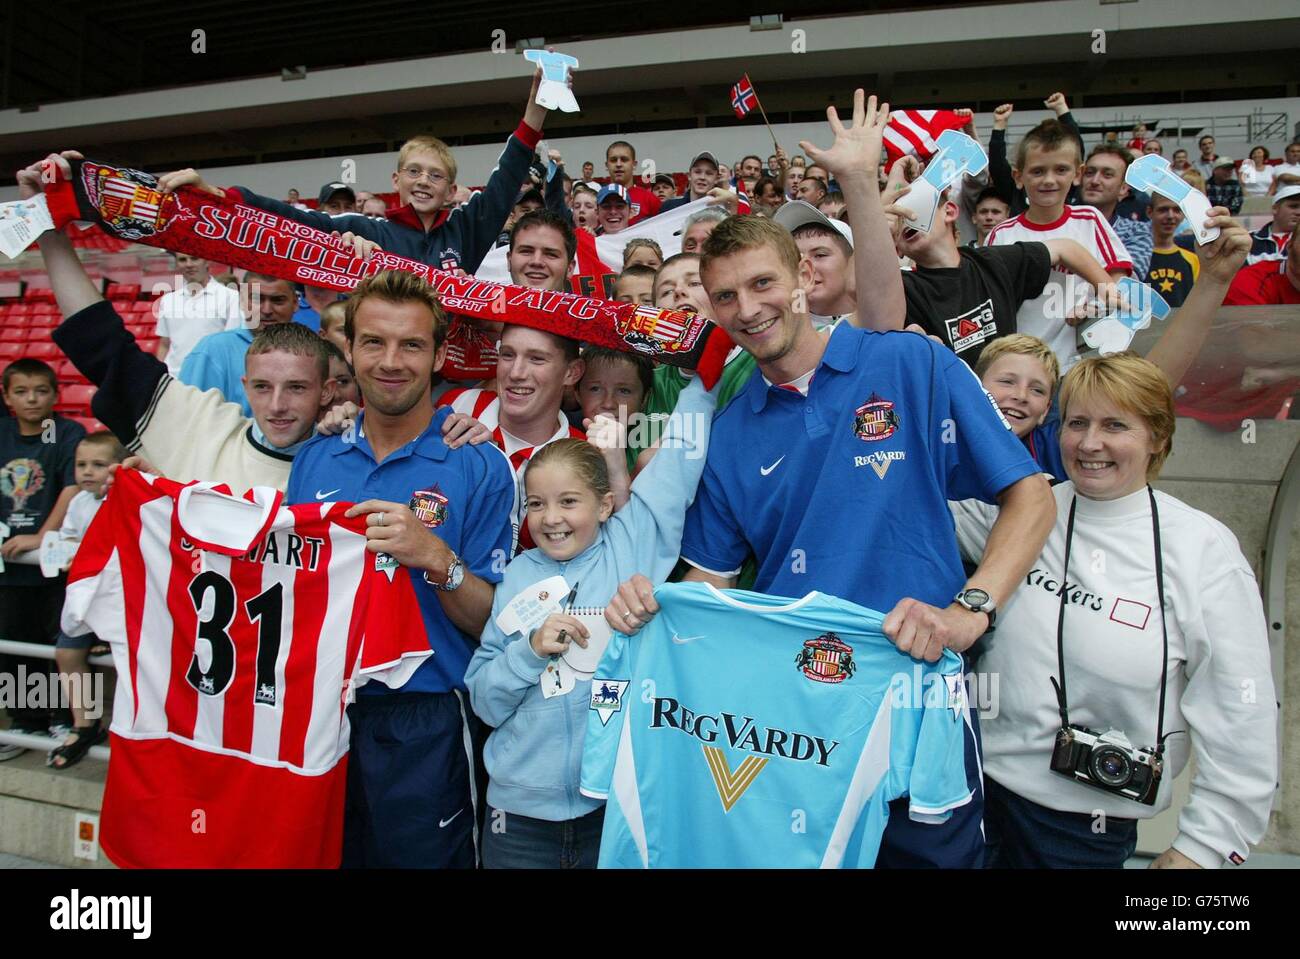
{"x":856,"y":150}
{"x":1001,"y":115}
{"x":1056,"y":103}
{"x":1222,"y":259}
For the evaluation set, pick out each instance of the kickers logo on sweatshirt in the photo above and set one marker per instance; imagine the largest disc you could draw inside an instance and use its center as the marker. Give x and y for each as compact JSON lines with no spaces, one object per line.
{"x":740,"y":733}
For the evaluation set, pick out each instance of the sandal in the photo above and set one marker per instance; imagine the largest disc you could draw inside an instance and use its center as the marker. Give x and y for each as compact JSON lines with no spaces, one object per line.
{"x":72,"y":753}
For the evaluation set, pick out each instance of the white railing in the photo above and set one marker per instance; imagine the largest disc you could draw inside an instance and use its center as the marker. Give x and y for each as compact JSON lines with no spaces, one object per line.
{"x":32,"y":741}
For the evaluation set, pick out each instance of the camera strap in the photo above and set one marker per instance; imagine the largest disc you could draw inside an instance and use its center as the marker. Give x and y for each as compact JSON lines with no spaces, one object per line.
{"x":1059,"y":685}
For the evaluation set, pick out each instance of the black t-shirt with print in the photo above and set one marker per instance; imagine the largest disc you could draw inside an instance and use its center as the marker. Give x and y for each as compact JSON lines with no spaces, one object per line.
{"x":34,"y":470}
{"x":969,"y":305}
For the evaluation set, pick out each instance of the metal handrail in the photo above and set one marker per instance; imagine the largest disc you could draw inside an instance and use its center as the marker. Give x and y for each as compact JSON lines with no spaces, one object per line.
{"x":30,"y":740}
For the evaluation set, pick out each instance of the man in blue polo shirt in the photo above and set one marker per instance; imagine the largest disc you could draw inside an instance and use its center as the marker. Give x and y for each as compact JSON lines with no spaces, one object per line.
{"x":414,"y":771}
{"x":835,"y":464}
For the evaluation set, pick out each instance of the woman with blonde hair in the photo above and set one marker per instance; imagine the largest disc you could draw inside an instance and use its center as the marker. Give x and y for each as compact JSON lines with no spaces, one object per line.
{"x":1138,"y":638}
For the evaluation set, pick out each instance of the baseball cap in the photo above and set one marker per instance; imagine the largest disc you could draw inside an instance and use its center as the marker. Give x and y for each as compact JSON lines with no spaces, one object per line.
{"x":706,"y":155}
{"x":799,"y":213}
{"x":1222,"y":161}
{"x":329,"y":189}
{"x":666,"y":178}
{"x":1284,"y":192}
{"x":611,"y":190}
{"x":530,"y":193}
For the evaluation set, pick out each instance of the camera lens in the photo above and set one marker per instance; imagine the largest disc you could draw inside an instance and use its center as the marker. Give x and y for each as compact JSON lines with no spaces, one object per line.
{"x":1110,"y":766}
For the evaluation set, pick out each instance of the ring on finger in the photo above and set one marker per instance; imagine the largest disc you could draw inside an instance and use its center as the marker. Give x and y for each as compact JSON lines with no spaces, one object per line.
{"x":379,"y":519}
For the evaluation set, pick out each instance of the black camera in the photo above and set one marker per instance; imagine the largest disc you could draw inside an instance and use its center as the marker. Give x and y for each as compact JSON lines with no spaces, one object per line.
{"x":1108,"y":761}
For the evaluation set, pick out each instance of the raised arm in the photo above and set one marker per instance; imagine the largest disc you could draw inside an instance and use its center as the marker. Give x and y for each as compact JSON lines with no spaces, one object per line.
{"x":854,"y":159}
{"x":1189,"y":327}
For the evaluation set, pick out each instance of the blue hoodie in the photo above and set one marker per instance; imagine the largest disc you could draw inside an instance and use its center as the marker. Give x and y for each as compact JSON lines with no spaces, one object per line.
{"x":534,"y":757}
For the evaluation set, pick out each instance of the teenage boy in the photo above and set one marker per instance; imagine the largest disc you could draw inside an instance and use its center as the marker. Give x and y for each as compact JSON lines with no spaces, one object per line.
{"x":620,"y":162}
{"x":1173,"y":270}
{"x":37,"y":482}
{"x":425,"y":179}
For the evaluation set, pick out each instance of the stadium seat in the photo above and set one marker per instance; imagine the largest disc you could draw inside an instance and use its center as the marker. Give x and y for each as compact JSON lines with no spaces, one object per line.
{"x":78,"y":396}
{"x":20,"y":309}
{"x":91,"y":424}
{"x":142,"y":306}
{"x":44,"y":321}
{"x":43,"y":350}
{"x":14,"y":334}
{"x":148,"y":343}
{"x":11,"y":351}
{"x":122,"y":291}
{"x":43,"y":295}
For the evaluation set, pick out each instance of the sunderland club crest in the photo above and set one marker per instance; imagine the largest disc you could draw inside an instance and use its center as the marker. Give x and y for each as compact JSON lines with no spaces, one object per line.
{"x":429,"y":506}
{"x":826,"y":659}
{"x":126,"y":200}
{"x":651,"y":330}
{"x":876,"y":419}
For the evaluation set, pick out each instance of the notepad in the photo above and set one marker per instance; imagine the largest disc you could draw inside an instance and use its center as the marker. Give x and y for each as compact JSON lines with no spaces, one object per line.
{"x":584,"y":661}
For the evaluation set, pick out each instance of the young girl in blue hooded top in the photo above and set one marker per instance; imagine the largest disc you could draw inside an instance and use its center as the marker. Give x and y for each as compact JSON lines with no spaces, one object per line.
{"x":536,"y":816}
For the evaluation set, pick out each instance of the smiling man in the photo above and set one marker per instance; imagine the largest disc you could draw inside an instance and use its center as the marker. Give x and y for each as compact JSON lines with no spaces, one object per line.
{"x":522,"y":407}
{"x":1103,"y":187}
{"x":845,"y":431}
{"x":414,"y":770}
{"x":613,"y":211}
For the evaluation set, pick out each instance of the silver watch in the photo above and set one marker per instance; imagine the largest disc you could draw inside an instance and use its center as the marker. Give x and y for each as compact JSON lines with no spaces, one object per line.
{"x":455,"y":576}
{"x":978,"y":601}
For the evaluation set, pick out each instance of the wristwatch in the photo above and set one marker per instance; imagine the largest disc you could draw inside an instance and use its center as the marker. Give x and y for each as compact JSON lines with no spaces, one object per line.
{"x":978,"y":601}
{"x":455,"y":576}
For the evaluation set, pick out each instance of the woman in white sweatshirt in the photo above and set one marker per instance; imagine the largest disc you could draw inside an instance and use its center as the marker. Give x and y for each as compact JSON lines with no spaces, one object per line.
{"x":1117,"y":427}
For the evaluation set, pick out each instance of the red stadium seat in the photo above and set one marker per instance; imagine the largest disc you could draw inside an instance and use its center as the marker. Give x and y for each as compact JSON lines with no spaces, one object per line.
{"x":91,"y":424}
{"x":122,"y":291}
{"x":43,"y":350}
{"x":148,"y":343}
{"x":43,"y":295}
{"x":11,"y":351}
{"x":142,"y":306}
{"x":42,"y":307}
{"x":20,"y":309}
{"x":44,"y":321}
{"x":66,"y":371}
{"x":14,"y":334}
{"x":79,"y":396}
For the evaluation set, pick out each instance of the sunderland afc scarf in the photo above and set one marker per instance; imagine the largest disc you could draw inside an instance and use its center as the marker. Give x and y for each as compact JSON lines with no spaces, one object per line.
{"x":127,"y":204}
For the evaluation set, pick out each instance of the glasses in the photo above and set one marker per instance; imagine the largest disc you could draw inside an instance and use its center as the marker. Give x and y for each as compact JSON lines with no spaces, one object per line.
{"x":414,"y":173}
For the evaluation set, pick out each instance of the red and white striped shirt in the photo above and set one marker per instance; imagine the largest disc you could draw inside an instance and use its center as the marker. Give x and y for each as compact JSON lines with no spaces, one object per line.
{"x":485,"y":406}
{"x":1044,"y":316}
{"x":239,"y":628}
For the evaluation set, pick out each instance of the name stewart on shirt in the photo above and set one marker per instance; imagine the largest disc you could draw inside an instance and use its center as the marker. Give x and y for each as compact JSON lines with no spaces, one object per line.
{"x":281,"y":549}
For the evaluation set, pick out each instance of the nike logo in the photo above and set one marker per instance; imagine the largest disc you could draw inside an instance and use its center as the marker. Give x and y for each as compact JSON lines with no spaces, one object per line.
{"x":679,"y":640}
{"x":320,"y":495}
{"x":442,"y":823}
{"x":767,"y":469}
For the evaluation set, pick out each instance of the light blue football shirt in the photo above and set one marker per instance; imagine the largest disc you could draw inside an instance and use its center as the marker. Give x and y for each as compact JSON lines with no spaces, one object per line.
{"x":740,"y":730}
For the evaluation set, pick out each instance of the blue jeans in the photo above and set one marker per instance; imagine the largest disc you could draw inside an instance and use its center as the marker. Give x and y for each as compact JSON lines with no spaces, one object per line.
{"x":511,"y":841}
{"x":1024,"y":835}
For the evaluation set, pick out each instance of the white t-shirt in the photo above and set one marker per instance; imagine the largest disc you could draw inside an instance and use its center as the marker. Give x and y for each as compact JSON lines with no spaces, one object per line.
{"x":185,"y":318}
{"x":1255,"y":182}
{"x":81,"y":510}
{"x":1283,"y":169}
{"x":1044,"y":316}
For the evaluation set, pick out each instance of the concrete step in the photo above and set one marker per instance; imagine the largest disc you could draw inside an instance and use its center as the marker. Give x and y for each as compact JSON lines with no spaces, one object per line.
{"x":39,"y":808}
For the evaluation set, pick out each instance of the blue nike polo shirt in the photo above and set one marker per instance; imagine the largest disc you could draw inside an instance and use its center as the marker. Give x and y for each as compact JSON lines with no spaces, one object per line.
{"x":846,"y":490}
{"x":478,"y":489}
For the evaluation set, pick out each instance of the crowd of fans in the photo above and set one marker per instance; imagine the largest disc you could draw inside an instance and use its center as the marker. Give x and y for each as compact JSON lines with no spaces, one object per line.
{"x":810,"y":263}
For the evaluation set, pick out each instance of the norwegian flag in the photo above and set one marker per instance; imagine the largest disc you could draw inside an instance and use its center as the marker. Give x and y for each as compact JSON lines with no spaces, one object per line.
{"x":743,"y":97}
{"x":914,"y":132}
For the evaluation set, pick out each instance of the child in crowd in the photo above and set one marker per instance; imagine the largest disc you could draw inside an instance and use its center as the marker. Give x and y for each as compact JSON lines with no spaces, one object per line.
{"x":643,"y":251}
{"x":635,"y":285}
{"x":343,"y":378}
{"x":331,"y":324}
{"x":95,"y":455}
{"x":617,"y":384}
{"x":537,"y":818}
{"x":37,"y":467}
{"x":1020,"y":373}
{"x":1048,"y":163}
